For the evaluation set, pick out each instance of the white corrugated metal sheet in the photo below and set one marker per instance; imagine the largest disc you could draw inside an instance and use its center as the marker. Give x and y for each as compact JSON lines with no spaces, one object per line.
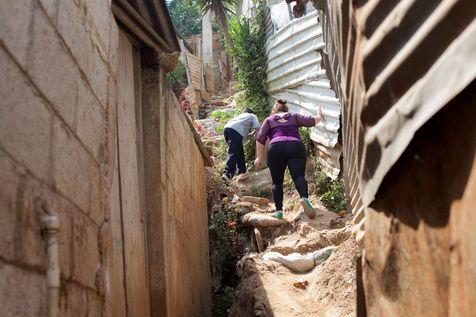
{"x":295,"y":74}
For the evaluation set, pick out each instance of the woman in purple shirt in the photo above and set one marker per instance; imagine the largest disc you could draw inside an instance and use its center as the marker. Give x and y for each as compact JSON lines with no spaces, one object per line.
{"x":285,"y":150}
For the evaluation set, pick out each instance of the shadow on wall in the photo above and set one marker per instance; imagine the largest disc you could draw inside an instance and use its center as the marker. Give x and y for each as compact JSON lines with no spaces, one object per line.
{"x":433,"y":171}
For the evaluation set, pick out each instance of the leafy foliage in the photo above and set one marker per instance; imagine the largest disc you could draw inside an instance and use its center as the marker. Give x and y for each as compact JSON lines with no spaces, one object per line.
{"x":221,"y":9}
{"x":227,"y":246}
{"x":186,"y":16}
{"x":332,"y":192}
{"x":222,"y":301}
{"x":249,"y":54}
{"x":178,"y":77}
{"x":334,"y":199}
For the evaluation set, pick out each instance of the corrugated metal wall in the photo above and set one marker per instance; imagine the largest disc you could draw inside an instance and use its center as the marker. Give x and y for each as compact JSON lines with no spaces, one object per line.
{"x":395,"y":64}
{"x":294,"y":73}
{"x":404,"y":72}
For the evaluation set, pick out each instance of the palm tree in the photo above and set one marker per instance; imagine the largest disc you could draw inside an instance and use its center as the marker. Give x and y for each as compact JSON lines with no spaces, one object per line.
{"x":220,"y":8}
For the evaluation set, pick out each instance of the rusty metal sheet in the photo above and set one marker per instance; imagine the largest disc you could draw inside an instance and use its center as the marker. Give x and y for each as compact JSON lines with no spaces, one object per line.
{"x":294,"y":73}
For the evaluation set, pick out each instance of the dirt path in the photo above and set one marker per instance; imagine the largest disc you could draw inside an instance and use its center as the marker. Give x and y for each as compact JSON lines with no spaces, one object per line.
{"x":268,"y":288}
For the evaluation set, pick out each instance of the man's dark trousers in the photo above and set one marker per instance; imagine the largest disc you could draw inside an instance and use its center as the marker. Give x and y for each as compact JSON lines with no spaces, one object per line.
{"x":236,"y":154}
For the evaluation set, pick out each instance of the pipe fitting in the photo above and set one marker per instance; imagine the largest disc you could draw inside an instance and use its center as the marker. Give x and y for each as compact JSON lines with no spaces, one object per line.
{"x":51,"y":232}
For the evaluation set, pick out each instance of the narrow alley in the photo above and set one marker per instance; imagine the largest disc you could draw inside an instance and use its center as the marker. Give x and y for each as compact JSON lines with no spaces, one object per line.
{"x":235,"y":158}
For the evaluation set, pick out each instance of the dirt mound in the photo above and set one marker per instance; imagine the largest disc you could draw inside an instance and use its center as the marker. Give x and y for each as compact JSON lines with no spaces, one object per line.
{"x":332,"y":285}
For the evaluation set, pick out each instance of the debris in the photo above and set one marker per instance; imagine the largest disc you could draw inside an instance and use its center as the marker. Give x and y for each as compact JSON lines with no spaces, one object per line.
{"x":242,"y":208}
{"x":342,"y":213}
{"x":337,"y":223}
{"x":256,"y":200}
{"x":301,"y":284}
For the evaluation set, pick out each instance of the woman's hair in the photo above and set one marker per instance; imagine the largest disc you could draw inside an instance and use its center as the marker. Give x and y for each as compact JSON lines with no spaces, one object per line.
{"x":280,"y":106}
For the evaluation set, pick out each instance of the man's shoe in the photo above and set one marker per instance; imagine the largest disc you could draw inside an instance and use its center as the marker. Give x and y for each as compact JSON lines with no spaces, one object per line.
{"x":308,"y":208}
{"x":278,"y":214}
{"x":226,"y":178}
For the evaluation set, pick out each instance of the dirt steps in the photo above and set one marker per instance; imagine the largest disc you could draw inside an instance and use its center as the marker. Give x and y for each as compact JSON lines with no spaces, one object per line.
{"x":268,"y":288}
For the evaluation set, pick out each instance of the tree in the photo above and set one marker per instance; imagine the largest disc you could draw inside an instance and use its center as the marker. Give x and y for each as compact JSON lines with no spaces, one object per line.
{"x":186,"y":16}
{"x":221,"y":9}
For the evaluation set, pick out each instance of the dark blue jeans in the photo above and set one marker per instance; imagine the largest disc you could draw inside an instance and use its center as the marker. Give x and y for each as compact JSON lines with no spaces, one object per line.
{"x":236,"y":154}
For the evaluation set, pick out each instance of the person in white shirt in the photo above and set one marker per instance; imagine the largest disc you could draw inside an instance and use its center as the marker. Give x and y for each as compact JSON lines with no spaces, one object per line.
{"x":235,"y":130}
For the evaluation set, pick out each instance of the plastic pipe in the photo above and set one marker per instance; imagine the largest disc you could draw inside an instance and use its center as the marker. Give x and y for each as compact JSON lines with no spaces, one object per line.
{"x":51,"y":231}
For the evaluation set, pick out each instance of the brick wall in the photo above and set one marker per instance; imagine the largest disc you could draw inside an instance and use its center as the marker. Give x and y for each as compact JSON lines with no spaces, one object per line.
{"x":58,"y":66}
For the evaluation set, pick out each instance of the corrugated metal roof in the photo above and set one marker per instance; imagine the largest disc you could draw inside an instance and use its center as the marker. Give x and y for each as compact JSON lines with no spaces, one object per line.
{"x":295,"y":74}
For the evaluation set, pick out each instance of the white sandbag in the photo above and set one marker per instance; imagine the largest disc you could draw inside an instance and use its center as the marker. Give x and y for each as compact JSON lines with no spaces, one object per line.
{"x":298,"y":262}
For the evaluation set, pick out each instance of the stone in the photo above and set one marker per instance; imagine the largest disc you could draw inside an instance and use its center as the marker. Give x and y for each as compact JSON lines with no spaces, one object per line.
{"x":256,"y":200}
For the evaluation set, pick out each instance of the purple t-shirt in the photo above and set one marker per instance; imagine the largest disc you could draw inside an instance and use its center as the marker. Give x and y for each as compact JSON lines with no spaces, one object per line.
{"x":283,"y":127}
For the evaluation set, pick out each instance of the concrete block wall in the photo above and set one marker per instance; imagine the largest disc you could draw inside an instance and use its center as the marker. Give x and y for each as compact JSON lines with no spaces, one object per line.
{"x":56,"y":66}
{"x":185,"y":216}
{"x":58,"y":133}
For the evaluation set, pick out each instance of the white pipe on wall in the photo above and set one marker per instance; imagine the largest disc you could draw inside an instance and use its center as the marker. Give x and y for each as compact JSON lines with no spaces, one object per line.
{"x":51,"y":231}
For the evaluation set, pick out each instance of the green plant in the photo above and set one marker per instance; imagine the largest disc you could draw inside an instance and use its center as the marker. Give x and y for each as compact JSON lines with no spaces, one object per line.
{"x":332,"y":192}
{"x":249,"y":54}
{"x":227,"y":246}
{"x":222,"y":301}
{"x":308,"y":143}
{"x":178,"y":77}
{"x":221,"y":9}
{"x":186,"y":16}
{"x":334,"y":199}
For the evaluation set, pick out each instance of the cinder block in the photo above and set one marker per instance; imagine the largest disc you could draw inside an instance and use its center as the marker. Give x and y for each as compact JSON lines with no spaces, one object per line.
{"x":25,"y":122}
{"x":95,"y":304}
{"x":98,"y":77}
{"x":72,"y":168}
{"x":90,"y":120}
{"x":72,"y":26}
{"x":8,"y":190}
{"x":86,"y":251}
{"x":16,"y":17}
{"x":52,"y":68}
{"x":51,"y":8}
{"x":113,"y":49}
{"x":22,"y":292}
{"x":74,"y":301}
{"x":100,"y":20}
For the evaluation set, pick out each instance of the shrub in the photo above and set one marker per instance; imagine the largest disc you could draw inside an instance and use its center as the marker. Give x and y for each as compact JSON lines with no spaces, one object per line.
{"x":249,"y":54}
{"x":227,"y":246}
{"x":332,"y":192}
